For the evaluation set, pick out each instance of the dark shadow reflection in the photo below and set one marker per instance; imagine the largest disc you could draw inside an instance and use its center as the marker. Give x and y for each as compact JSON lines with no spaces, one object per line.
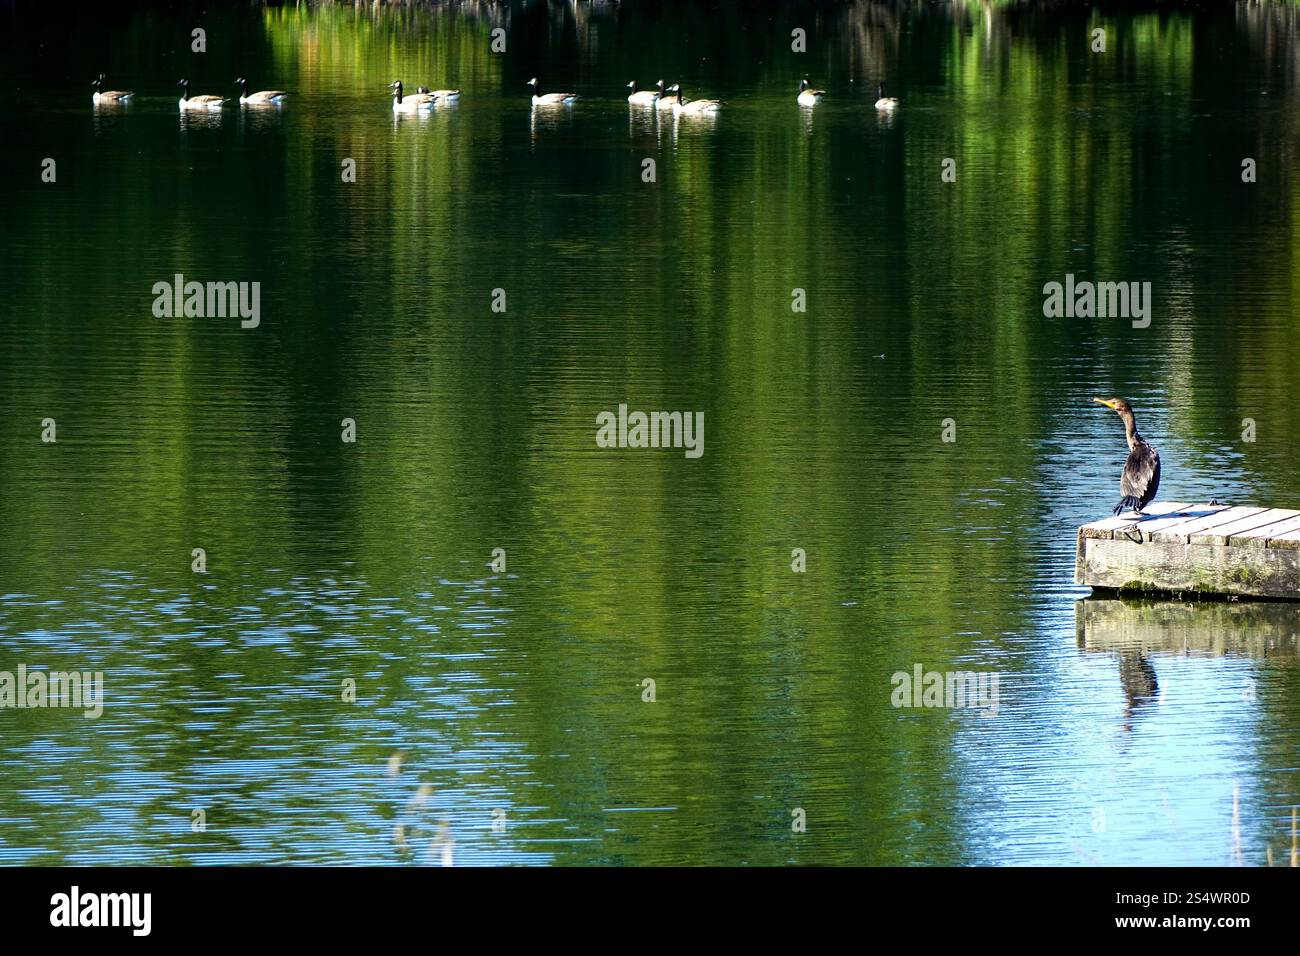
{"x":1138,"y":631}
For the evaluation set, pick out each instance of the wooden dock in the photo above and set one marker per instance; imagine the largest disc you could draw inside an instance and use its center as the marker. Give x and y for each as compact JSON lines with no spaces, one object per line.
{"x":1185,"y":548}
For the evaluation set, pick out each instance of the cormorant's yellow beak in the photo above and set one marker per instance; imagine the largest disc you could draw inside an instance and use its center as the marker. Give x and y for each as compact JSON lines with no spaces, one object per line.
{"x":1105,"y":401}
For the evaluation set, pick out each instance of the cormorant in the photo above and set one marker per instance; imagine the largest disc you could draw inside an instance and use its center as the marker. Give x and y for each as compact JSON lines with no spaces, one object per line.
{"x":1141,"y":476}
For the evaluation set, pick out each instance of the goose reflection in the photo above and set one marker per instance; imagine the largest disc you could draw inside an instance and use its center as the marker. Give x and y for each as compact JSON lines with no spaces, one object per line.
{"x":258,"y":118}
{"x":548,"y":118}
{"x":192,"y":120}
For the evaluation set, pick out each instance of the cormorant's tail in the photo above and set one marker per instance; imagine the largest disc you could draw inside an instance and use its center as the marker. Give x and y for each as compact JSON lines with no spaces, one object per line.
{"x":1128,"y":501}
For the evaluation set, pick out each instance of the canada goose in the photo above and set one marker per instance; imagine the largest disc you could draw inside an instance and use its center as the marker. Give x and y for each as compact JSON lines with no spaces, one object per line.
{"x":886,"y":102}
{"x":442,"y":96}
{"x":644,"y":97}
{"x":666,"y":99}
{"x":260,"y":98}
{"x":808,"y":96}
{"x":690,"y":107}
{"x":198,"y":102}
{"x":102,"y":96}
{"x":550,"y":99}
{"x":409,"y":104}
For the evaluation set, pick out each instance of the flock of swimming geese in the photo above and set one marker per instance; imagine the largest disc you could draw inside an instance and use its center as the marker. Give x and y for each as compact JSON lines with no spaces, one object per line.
{"x":660,"y":98}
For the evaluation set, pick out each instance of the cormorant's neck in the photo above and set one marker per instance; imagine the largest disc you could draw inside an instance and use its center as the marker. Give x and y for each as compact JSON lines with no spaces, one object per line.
{"x":1131,"y":431}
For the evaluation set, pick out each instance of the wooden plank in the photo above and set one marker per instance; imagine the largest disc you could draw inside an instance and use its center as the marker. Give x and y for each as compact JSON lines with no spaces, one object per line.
{"x":1107,"y":526}
{"x":1222,"y":534}
{"x":1186,"y":516}
{"x":1259,"y":537}
{"x":1289,"y":541}
{"x":1180,"y":534}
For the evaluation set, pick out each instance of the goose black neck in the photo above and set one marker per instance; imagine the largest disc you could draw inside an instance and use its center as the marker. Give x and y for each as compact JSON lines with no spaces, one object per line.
{"x":399,"y":91}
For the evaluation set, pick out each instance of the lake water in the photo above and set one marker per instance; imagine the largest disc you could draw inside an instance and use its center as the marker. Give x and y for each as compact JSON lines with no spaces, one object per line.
{"x":499,"y":715}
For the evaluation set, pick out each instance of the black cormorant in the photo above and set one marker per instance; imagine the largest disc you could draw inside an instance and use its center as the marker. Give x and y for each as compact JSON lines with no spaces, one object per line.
{"x":1141,"y":476}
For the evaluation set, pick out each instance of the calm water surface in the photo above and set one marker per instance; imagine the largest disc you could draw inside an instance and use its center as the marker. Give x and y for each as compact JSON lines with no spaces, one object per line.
{"x":1123,"y":730}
